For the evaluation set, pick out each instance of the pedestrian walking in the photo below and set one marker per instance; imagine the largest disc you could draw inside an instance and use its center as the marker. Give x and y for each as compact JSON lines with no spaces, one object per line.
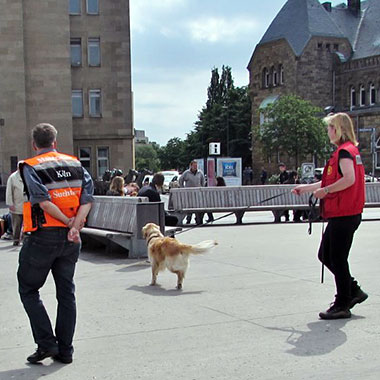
{"x":59,"y":192}
{"x":193,"y":177}
{"x":342,"y":195}
{"x":284,"y":177}
{"x":14,"y":198}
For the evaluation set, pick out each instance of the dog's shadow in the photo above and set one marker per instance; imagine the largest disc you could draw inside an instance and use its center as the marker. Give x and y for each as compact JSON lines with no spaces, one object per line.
{"x":157,"y":290}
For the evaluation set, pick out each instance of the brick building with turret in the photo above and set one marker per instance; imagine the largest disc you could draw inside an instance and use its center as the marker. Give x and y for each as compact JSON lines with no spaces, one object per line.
{"x":327,"y":55}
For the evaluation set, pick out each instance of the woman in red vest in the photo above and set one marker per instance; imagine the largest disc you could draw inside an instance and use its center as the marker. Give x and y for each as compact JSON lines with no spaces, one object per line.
{"x":342,"y":195}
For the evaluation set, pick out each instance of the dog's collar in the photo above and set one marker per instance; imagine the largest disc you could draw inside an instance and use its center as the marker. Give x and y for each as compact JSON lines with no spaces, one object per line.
{"x":152,"y":237}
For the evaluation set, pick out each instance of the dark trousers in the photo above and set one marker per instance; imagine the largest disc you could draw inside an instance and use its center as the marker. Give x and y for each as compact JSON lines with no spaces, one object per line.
{"x":43,"y":251}
{"x":198,"y":217}
{"x":333,"y":252}
{"x":16,"y":226}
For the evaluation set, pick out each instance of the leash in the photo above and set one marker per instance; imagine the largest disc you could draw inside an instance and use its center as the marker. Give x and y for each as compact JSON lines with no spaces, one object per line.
{"x":323,"y":255}
{"x":231,"y":213}
{"x":312,"y":214}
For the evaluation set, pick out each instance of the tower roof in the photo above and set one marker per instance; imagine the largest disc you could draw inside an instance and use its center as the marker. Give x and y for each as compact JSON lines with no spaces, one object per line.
{"x":300,"y":20}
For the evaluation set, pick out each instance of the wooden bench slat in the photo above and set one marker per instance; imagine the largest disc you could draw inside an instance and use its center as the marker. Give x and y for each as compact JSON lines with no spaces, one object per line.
{"x":248,"y":198}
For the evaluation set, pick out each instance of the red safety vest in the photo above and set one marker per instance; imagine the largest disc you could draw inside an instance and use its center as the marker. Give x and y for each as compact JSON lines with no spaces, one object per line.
{"x":62,"y":175}
{"x":349,"y":201}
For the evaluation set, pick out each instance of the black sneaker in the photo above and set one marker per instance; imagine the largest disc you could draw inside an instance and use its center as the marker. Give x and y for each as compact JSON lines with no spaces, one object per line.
{"x":40,"y":355}
{"x":358,"y":297}
{"x":63,"y":359}
{"x":336,"y":312}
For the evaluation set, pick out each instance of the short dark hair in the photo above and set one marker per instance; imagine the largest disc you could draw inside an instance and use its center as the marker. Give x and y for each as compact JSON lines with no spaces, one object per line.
{"x":44,"y":135}
{"x":281,"y":164}
{"x":158,"y":179}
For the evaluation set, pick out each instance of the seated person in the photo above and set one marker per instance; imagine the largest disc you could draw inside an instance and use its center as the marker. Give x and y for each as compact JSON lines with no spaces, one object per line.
{"x":151,"y":191}
{"x":116,"y":187}
{"x":132,"y":189}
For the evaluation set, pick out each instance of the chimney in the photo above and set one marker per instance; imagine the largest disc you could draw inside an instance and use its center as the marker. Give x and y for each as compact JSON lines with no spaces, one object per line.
{"x":327,"y":6}
{"x":354,"y":6}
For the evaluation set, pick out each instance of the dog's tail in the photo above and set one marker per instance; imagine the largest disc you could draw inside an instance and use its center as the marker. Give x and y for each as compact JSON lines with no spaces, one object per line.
{"x":202,"y":247}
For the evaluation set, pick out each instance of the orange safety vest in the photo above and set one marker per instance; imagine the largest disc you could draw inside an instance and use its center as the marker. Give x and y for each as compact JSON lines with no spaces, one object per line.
{"x":62,"y":175}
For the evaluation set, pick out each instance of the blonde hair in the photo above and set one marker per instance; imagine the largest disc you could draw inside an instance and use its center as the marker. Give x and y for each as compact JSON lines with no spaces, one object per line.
{"x":344,"y":128}
{"x":117,"y":185}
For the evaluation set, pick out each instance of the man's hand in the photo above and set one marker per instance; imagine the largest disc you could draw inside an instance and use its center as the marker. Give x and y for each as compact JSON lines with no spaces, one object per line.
{"x":73,"y":235}
{"x":74,"y":223}
{"x":12,"y":208}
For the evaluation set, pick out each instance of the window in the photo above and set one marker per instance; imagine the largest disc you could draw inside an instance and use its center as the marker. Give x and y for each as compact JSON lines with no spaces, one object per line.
{"x":319,"y":45}
{"x":94,"y":52}
{"x":353,"y":97}
{"x":378,"y":154}
{"x":265,"y":78}
{"x":95,"y":103}
{"x":328,"y":47}
{"x":362,"y":96}
{"x":93,"y":7}
{"x":336,"y":47}
{"x":372,"y":94}
{"x":85,"y":157}
{"x":74,"y":7}
{"x":281,"y":70}
{"x":274,"y":76}
{"x":77,"y":103}
{"x":102,"y":157}
{"x":76,"y":52}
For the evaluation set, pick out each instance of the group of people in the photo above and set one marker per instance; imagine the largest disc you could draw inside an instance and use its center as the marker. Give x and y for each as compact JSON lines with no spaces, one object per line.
{"x":57,"y":206}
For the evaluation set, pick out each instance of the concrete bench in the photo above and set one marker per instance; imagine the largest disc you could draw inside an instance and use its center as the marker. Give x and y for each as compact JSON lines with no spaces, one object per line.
{"x":119,"y":220}
{"x":241,"y":199}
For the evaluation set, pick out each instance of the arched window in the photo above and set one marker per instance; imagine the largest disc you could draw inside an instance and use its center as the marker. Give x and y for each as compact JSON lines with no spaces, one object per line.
{"x":265,"y":78}
{"x":352,"y":97}
{"x":377,"y":164}
{"x":372,"y":94}
{"x":362,"y":96}
{"x":281,"y":71}
{"x":274,"y":76}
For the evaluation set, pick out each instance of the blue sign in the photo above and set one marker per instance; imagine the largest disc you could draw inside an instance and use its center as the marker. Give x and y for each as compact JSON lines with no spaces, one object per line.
{"x":229,"y":169}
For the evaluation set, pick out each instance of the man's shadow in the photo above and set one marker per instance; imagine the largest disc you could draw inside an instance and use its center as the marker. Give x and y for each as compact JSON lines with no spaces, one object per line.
{"x":31,"y":371}
{"x":321,"y":338}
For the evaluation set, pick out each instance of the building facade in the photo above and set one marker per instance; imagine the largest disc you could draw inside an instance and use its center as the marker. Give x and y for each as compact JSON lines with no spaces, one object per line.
{"x":327,"y":55}
{"x":67,"y":63}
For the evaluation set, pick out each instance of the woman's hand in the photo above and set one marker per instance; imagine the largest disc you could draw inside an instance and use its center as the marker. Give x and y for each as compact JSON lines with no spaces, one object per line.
{"x":320,"y":193}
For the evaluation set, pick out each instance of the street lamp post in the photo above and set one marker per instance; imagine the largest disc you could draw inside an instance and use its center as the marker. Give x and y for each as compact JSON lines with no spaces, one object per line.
{"x":228,"y":131}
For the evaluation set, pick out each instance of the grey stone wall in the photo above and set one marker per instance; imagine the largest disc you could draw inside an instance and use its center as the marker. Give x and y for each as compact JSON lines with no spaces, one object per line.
{"x":37,"y":79}
{"x":47,"y":69}
{"x":13,"y":134}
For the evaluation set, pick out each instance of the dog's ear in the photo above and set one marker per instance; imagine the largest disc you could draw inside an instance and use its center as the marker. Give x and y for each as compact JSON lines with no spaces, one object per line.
{"x":143,"y":230}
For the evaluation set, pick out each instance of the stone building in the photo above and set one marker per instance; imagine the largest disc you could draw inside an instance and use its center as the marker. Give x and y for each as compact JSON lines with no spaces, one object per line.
{"x":327,"y":55}
{"x":68,"y":63}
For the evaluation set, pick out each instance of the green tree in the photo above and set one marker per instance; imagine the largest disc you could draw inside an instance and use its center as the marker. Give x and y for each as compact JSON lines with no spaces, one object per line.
{"x":147,"y":157}
{"x":292,"y":125}
{"x":226,"y":119}
{"x":172,"y":155}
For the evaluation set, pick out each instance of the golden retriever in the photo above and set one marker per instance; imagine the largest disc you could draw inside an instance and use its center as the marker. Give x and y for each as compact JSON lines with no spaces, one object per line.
{"x":165,"y":252}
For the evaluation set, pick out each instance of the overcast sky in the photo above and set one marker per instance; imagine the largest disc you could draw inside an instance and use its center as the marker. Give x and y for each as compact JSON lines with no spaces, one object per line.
{"x":175,"y":45}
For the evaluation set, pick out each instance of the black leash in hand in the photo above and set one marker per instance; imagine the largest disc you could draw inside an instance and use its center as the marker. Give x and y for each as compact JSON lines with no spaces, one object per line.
{"x":313,"y":216}
{"x":231,"y":213}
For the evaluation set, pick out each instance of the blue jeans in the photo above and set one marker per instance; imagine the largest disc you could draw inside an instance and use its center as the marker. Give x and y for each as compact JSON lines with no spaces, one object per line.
{"x":43,"y":251}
